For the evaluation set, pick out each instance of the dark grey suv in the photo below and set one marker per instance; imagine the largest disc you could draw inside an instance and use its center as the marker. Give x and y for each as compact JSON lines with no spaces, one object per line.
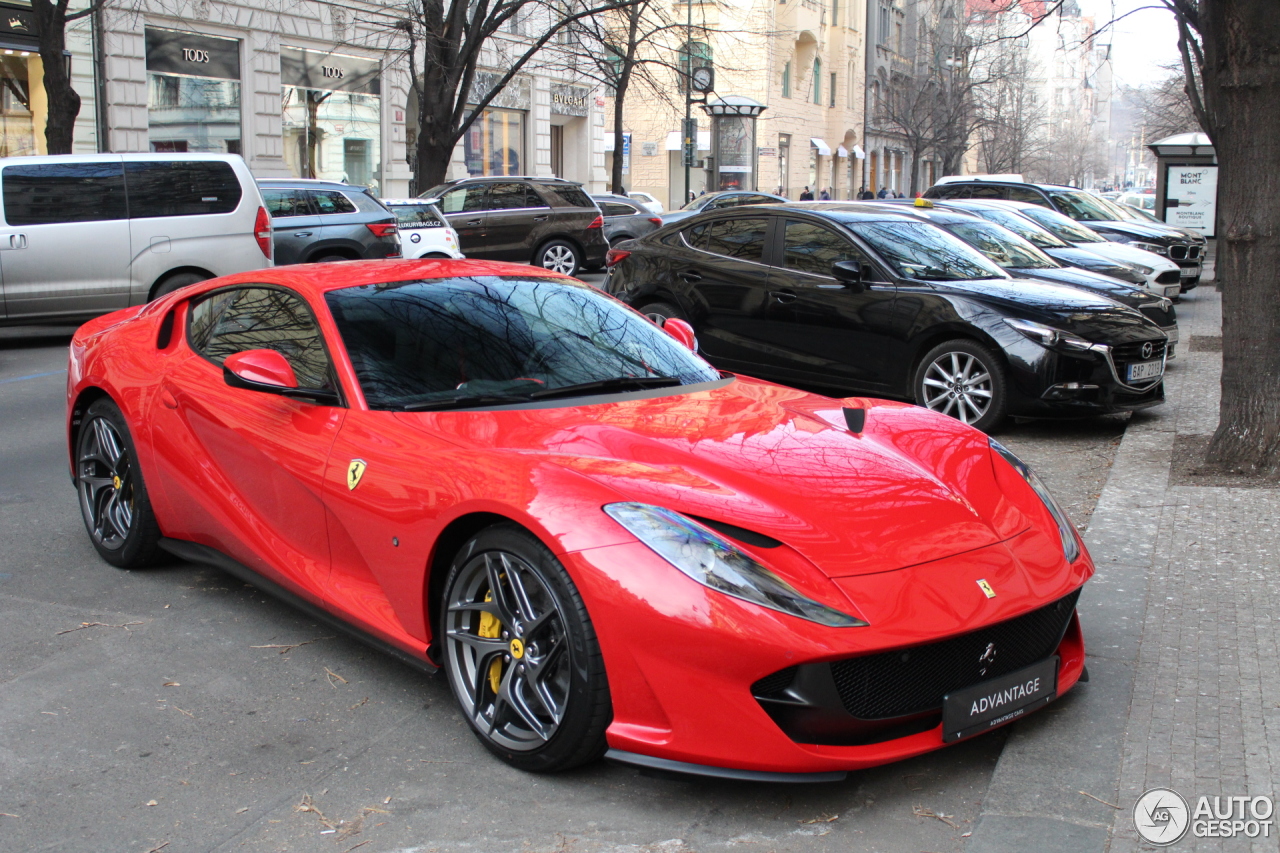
{"x":547,"y":222}
{"x":315,"y":221}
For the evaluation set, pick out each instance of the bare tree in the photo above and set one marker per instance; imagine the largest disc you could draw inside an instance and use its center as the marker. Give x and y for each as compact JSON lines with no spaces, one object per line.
{"x":52,"y":17}
{"x":447,"y":45}
{"x":1232,"y":80}
{"x":1074,"y":153}
{"x":1163,"y":108}
{"x":1010,"y":117}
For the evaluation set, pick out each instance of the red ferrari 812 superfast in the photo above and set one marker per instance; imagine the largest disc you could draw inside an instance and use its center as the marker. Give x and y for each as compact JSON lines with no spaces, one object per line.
{"x":611,"y":548}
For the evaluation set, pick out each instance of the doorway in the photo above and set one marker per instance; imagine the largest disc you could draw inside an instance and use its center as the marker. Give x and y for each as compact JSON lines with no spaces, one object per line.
{"x":557,"y":150}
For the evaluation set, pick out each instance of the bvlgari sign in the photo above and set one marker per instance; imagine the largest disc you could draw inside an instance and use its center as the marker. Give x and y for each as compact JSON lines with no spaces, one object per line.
{"x":569,"y":100}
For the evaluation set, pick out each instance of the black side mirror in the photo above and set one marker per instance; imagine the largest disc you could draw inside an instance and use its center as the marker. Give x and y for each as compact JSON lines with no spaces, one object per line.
{"x":850,"y":274}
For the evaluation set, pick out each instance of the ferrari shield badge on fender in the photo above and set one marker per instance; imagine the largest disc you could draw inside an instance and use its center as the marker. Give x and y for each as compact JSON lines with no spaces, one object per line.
{"x":355,"y":471}
{"x":982,"y":584}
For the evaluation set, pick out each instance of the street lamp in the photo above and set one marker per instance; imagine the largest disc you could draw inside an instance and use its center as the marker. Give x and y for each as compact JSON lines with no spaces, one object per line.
{"x":733,"y":140}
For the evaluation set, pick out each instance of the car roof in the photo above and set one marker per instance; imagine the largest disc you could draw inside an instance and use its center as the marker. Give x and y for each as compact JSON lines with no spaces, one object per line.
{"x":405,"y":202}
{"x":318,"y":279}
{"x":488,"y":179}
{"x":614,"y":197}
{"x":936,"y":212}
{"x":842,"y":211}
{"x":1010,"y":183}
{"x":309,"y":184}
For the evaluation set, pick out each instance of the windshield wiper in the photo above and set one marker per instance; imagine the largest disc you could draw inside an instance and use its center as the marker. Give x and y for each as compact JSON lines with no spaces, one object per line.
{"x":467,"y":401}
{"x":617,"y":383}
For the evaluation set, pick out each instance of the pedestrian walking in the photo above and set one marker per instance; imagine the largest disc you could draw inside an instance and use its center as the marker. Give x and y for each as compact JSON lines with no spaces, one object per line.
{"x":884,"y":193}
{"x":807,"y":195}
{"x":866,"y":194}
{"x":826,"y":194}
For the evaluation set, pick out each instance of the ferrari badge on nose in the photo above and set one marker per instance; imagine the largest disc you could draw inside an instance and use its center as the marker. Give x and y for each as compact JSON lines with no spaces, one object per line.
{"x":355,"y":471}
{"x":985,"y":587}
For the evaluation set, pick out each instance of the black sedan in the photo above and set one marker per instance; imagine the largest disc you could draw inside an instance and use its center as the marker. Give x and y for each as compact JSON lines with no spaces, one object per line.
{"x":861,"y":301}
{"x":720,"y":201}
{"x":1019,"y":258}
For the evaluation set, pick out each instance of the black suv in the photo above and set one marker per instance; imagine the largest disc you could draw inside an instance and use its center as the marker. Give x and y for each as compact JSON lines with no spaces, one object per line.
{"x":315,"y":221}
{"x":860,"y":299}
{"x":1185,"y":248}
{"x":548,"y":222}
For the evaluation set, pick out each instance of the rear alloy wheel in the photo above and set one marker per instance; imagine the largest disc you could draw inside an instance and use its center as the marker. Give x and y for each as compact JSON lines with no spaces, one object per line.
{"x":559,"y":256}
{"x":965,"y":380}
{"x":661,"y":312}
{"x":521,"y":653}
{"x":113,"y":498}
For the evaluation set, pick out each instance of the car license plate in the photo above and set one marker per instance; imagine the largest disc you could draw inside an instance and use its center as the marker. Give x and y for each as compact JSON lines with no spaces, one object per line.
{"x":1001,"y":700}
{"x":1145,"y":370}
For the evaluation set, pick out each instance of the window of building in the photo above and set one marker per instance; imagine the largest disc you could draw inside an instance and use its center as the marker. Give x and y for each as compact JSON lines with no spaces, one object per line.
{"x":882,"y":34}
{"x":332,"y":116}
{"x":24,"y":107}
{"x":193,"y":92}
{"x":817,"y":81}
{"x":786,"y":80}
{"x":897,"y":37}
{"x":495,"y":143}
{"x":831,"y":91}
{"x":835,"y":12}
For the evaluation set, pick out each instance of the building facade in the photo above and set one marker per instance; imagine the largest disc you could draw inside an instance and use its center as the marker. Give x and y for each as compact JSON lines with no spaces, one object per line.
{"x":801,"y":59}
{"x":313,"y":89}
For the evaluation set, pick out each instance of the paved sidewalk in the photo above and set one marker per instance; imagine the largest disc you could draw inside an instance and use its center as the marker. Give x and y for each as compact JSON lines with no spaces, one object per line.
{"x":1181,"y":627}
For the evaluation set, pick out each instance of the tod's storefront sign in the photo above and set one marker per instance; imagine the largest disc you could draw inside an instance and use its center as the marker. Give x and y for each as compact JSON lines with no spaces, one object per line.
{"x":312,"y":69}
{"x":175,"y":52}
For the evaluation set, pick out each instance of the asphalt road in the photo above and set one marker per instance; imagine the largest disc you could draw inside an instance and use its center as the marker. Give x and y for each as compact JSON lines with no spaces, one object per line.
{"x":176,"y":709}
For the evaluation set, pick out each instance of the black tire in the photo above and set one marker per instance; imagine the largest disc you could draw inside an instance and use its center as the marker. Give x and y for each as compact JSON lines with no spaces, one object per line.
{"x":957,"y":377}
{"x":435,"y":256}
{"x":558,"y":256}
{"x":173,"y":282}
{"x":113,"y":497}
{"x":660,"y":312}
{"x":486,"y":639}
{"x":325,"y":259}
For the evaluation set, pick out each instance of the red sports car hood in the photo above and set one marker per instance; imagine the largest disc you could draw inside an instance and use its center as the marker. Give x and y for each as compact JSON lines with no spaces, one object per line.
{"x":778,"y":462}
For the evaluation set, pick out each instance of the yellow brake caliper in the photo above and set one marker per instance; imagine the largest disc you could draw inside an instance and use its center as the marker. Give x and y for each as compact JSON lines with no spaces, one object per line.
{"x":491,"y":629}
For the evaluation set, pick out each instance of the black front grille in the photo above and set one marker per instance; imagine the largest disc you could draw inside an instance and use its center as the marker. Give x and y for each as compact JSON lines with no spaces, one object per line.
{"x":914,"y":680}
{"x":1193,"y":252}
{"x":772,"y":685}
{"x":1162,"y":317}
{"x":1126,"y":353}
{"x":1178,"y":253}
{"x":1169,"y":277}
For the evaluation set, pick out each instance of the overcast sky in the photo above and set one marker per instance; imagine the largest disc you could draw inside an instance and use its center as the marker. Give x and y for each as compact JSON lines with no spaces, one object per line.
{"x":1141,"y":42}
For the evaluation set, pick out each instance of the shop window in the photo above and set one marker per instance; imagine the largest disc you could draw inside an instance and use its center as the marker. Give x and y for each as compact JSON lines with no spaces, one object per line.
{"x":332,"y":116}
{"x":786,"y":80}
{"x":817,"y":81}
{"x":494,"y":145}
{"x":193,"y":92}
{"x":24,"y":112}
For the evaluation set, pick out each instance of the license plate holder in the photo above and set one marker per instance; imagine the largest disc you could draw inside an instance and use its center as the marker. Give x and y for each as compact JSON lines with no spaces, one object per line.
{"x":1144,"y":370}
{"x":973,"y":710}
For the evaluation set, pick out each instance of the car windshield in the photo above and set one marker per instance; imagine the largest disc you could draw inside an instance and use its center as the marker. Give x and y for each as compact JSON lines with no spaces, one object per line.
{"x":1061,"y":226}
{"x":417,"y":216}
{"x":1034,"y":234}
{"x":1123,"y":211}
{"x":921,"y":251}
{"x":696,"y":203}
{"x":477,"y":340}
{"x":1002,"y":246}
{"x":1083,"y":207}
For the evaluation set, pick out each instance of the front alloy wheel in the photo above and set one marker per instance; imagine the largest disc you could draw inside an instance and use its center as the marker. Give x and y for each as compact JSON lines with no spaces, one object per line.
{"x":964,"y":380}
{"x":522,"y":658}
{"x":558,"y":256}
{"x":113,"y":497}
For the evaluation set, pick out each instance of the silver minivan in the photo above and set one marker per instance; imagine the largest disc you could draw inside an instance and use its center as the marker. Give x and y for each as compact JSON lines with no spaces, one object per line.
{"x":86,"y":234}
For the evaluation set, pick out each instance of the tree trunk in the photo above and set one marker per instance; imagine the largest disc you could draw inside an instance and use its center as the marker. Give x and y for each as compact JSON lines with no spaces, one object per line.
{"x":64,"y":103}
{"x":620,"y":96}
{"x":1242,"y":88}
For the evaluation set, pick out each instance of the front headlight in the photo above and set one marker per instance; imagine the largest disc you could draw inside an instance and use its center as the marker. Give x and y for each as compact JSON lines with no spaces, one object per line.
{"x":1143,"y":270}
{"x":715,"y":562}
{"x":1150,"y":247}
{"x":1066,"y":530}
{"x":1049,"y":336}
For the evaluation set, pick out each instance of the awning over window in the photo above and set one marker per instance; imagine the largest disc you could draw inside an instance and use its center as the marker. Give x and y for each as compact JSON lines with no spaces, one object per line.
{"x":674,"y":140}
{"x":859,"y":153}
{"x":823,"y":148}
{"x":841,"y":151}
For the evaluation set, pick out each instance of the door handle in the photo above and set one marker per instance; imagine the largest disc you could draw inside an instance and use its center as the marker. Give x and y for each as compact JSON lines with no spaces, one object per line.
{"x":539,"y":219}
{"x":167,"y":398}
{"x":472,"y":222}
{"x":690,"y":276}
{"x":783,"y":296}
{"x":302,"y":233}
{"x":17,"y":241}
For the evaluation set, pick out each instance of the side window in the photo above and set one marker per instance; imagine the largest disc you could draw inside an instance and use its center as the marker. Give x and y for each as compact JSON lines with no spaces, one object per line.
{"x":614,"y":208}
{"x":696,"y":236}
{"x":986,"y":191}
{"x":510,"y":197}
{"x":722,"y":203}
{"x":463,"y":199}
{"x":813,"y":249}
{"x":283,"y":203}
{"x":233,"y":321}
{"x":569,"y":195}
{"x":1028,"y":195}
{"x":947,"y":191}
{"x":756,"y":199}
{"x":331,"y":201}
{"x":737,"y":238}
{"x":63,"y":192}
{"x":177,"y":188}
